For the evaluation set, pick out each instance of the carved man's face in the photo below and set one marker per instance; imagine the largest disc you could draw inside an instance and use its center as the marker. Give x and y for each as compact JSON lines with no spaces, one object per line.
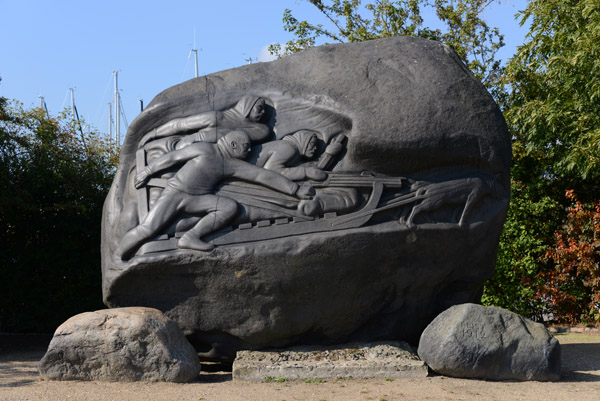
{"x":311,"y":148}
{"x":240,"y":148}
{"x":258,"y":111}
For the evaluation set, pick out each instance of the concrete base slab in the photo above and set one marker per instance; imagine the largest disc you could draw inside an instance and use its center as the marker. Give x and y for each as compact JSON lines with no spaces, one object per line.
{"x":362,"y":360}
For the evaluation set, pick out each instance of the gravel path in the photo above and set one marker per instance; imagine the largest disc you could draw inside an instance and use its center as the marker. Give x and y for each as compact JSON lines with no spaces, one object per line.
{"x":19,"y":380}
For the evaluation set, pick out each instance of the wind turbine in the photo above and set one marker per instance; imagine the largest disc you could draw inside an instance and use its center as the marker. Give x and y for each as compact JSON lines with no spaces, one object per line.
{"x":43,"y":105}
{"x":195,"y":51}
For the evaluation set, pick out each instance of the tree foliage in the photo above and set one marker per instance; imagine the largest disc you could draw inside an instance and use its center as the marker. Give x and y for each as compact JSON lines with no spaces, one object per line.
{"x":554,"y":85}
{"x":534,"y":214}
{"x":465,"y":30}
{"x":552,"y":108}
{"x":53,"y":181}
{"x":572,"y":285}
{"x":525,"y":239}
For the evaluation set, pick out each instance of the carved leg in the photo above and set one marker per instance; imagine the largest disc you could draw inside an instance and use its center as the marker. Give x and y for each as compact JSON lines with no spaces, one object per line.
{"x":471,"y":200}
{"x":132,"y":240}
{"x":161,"y":214}
{"x":414,"y":212}
{"x":419,"y":190}
{"x":220,"y":211}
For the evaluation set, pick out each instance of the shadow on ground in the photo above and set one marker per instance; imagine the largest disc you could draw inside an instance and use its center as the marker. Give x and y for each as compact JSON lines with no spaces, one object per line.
{"x":19,"y":357}
{"x":17,"y":378}
{"x":20,"y":354}
{"x":578,"y":359}
{"x":215,"y":372}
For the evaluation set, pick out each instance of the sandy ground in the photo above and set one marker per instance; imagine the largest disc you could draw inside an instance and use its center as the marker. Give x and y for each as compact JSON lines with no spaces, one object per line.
{"x":19,"y":380}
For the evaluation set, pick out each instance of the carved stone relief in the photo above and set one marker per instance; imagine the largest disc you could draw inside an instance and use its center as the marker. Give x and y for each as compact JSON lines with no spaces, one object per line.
{"x":266,"y":207}
{"x":191,"y":186}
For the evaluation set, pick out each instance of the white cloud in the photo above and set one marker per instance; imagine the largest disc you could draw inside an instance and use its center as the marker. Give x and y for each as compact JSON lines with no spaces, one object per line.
{"x":264,"y":54}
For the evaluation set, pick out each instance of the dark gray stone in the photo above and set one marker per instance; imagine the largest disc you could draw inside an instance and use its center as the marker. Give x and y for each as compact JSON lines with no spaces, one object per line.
{"x":475,"y":341}
{"x":372,"y":199}
{"x":124,"y":344}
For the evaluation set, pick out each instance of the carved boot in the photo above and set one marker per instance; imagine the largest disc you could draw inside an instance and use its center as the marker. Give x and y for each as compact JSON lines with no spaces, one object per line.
{"x":191,"y":240}
{"x":132,"y":240}
{"x":208,"y":224}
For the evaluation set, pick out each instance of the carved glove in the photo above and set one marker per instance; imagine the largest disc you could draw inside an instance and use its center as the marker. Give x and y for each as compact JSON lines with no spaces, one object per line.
{"x":305,"y":191}
{"x":142,"y":177}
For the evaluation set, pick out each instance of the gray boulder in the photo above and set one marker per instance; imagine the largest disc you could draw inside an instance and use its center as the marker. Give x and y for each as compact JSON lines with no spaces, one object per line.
{"x":423,"y":172}
{"x":126,"y":344}
{"x":475,"y":341}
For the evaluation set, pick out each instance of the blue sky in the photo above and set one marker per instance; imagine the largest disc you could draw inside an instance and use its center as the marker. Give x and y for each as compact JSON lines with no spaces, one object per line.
{"x":48,"y":47}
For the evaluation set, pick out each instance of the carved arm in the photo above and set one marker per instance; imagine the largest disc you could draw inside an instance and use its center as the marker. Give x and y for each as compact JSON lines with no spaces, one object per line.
{"x":166,"y":161}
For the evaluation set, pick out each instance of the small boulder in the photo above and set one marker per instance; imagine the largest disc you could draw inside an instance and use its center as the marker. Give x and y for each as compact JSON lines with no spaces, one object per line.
{"x":122,"y":344}
{"x":475,"y":341}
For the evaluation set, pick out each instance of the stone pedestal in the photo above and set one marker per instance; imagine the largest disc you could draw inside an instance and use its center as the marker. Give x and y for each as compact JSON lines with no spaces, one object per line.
{"x":365,"y":360}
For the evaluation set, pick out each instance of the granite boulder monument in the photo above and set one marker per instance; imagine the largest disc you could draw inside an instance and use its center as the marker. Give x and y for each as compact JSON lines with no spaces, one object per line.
{"x":346,"y":193}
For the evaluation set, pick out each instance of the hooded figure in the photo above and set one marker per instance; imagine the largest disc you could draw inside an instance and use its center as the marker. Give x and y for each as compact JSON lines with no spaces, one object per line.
{"x":285,"y":155}
{"x":212,"y":125}
{"x":305,"y":141}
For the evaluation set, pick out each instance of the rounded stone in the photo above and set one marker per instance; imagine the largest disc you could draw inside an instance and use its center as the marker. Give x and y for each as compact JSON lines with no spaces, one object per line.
{"x":489,"y":343}
{"x":121,"y":344}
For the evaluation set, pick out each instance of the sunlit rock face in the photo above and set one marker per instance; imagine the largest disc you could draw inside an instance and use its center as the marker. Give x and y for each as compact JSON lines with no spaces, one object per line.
{"x":371,"y":198}
{"x":120,"y":344}
{"x":489,"y":343}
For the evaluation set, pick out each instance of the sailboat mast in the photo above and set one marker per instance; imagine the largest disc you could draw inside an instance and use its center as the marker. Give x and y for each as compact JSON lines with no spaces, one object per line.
{"x":117,"y":110}
{"x":110,"y":137}
{"x":75,"y":113}
{"x":73,"y":103}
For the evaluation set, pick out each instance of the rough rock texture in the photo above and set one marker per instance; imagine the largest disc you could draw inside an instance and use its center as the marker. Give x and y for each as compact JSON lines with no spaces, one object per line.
{"x":124,"y":344}
{"x":475,"y":341}
{"x":367,"y":360}
{"x":414,"y":111}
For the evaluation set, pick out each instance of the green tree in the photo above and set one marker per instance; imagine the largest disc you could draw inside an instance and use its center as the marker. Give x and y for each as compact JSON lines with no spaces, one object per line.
{"x":554,"y":89}
{"x":552,"y":108}
{"x":533,"y":216}
{"x":525,"y":240}
{"x":53,"y":181}
{"x":465,"y":31}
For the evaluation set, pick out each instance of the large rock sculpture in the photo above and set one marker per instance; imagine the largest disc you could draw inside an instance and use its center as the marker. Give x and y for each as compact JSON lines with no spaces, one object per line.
{"x":346,"y":193}
{"x":489,"y":343}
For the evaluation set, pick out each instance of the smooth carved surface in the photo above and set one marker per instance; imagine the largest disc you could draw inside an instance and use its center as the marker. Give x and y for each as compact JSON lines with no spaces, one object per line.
{"x":321,"y":198}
